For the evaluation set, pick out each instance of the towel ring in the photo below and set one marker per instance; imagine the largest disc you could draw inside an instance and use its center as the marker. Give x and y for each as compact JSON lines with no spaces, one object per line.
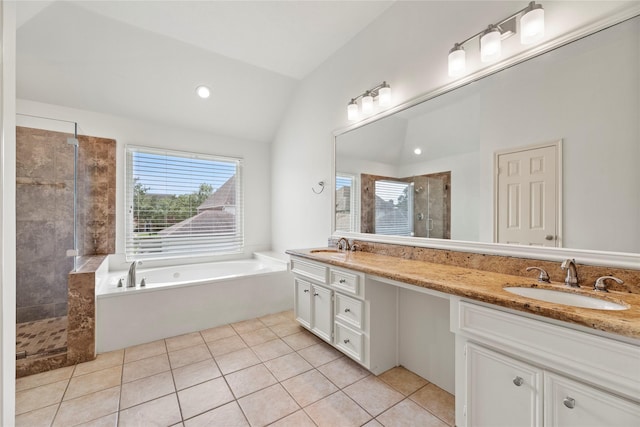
{"x":321,"y":184}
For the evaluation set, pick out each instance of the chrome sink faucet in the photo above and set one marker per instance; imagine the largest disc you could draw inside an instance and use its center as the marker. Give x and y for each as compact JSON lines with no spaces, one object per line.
{"x":131,"y":276}
{"x":343,"y":244}
{"x":571,"y":279}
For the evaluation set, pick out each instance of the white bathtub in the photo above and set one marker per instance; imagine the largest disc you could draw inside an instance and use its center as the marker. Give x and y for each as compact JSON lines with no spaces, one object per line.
{"x":182,"y":299}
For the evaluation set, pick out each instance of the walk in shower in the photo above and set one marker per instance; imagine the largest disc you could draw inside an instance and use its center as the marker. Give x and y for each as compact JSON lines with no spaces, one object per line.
{"x":46,"y":233}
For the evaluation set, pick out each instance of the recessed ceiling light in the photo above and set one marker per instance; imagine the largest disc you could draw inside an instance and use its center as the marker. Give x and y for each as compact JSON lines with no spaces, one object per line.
{"x":417,"y":151}
{"x":203,"y":91}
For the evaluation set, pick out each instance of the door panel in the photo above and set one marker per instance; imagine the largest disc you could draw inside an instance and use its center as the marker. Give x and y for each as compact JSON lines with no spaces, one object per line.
{"x":527,"y":205}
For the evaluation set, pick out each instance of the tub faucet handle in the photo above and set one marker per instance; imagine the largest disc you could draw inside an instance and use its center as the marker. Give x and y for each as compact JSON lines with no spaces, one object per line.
{"x":143,"y":282}
{"x":120,"y":283}
{"x":543,"y":277}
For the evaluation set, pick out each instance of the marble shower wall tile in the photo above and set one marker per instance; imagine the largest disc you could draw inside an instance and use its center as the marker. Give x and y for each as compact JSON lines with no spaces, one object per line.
{"x":44,"y":214}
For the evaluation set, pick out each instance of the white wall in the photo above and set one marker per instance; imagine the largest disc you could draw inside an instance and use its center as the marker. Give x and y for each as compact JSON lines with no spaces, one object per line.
{"x":256,"y":165}
{"x":8,"y":213}
{"x":400,"y":48}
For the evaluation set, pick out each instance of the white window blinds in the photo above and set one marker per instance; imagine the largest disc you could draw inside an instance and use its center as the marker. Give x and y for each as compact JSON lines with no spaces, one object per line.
{"x":182,"y":204}
{"x":347,"y":206}
{"x":394,"y":208}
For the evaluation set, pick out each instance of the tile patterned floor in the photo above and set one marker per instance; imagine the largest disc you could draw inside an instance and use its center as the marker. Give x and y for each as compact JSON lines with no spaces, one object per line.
{"x":266,"y":371}
{"x":42,"y":336}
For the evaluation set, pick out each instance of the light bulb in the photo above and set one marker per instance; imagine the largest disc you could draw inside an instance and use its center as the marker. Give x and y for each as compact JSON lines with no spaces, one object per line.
{"x":490,"y":44}
{"x":352,"y":110}
{"x":203,"y":92}
{"x":417,"y":151}
{"x":367,"y":103}
{"x":384,"y":95}
{"x":532,"y":24}
{"x":457,"y":61}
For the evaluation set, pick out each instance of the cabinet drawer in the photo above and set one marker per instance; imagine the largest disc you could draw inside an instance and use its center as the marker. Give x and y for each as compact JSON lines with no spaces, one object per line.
{"x":345,"y":281}
{"x":349,"y":341}
{"x":349,"y":310}
{"x":571,"y":403}
{"x":309,"y":270}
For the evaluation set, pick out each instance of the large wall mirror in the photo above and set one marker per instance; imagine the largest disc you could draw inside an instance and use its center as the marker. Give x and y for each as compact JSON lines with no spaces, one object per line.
{"x":440,"y":169}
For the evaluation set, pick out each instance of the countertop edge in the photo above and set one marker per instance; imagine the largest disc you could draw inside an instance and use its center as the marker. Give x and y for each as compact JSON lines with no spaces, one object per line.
{"x":460,"y":282}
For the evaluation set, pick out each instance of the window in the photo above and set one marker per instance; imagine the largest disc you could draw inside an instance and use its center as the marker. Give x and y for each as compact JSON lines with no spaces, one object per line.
{"x":394,"y":208}
{"x":182,"y":204}
{"x":347,"y":211}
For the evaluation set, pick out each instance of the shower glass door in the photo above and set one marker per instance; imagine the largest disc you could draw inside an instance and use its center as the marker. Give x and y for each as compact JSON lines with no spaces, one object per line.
{"x":46,"y":162}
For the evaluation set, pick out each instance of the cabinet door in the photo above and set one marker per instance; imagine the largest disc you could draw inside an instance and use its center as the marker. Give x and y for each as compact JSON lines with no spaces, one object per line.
{"x":501,"y":391}
{"x":302,"y":302}
{"x":322,"y":312}
{"x":570,"y":403}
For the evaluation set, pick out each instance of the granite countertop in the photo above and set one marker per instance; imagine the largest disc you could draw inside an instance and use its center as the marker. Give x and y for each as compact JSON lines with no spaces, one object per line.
{"x":488,"y":287}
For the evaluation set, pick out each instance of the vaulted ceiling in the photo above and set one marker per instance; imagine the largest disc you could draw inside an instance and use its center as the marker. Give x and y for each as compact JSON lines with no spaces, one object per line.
{"x":144,"y":59}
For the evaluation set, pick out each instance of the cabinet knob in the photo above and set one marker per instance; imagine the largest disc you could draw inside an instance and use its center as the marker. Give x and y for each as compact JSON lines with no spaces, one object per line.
{"x":518,"y":381}
{"x":569,"y":402}
{"x":346,"y":341}
{"x":315,"y":294}
{"x":306,"y":290}
{"x":346,"y":310}
{"x":342,"y":280}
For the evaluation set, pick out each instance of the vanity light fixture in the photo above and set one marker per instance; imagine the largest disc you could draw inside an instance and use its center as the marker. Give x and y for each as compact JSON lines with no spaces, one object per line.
{"x":203,"y":91}
{"x":531,"y":30}
{"x":381,"y":92}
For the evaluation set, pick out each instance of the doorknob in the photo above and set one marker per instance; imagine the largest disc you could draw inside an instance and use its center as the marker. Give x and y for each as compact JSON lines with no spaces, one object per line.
{"x":548,"y":237}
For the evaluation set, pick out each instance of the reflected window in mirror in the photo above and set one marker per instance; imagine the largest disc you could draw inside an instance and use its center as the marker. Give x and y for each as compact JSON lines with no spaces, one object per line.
{"x":347,"y":206}
{"x":393,"y":208}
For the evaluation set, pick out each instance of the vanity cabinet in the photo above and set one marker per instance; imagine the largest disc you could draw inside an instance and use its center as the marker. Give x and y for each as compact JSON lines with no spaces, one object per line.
{"x":518,"y":371}
{"x":354,"y":314}
{"x":501,"y":391}
{"x":321,"y":312}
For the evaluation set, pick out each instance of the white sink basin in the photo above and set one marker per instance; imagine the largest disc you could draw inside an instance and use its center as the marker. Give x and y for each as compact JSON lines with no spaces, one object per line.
{"x":566,"y":298}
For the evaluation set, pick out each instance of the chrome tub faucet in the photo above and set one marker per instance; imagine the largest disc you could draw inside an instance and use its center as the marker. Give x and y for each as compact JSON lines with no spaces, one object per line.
{"x":131,"y":276}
